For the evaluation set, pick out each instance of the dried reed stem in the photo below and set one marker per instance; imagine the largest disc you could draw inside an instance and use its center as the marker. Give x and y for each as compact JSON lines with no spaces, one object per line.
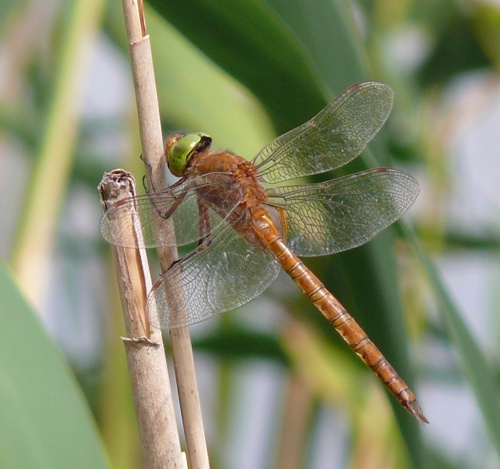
{"x":298,"y":407}
{"x":144,"y":348}
{"x":152,"y":144}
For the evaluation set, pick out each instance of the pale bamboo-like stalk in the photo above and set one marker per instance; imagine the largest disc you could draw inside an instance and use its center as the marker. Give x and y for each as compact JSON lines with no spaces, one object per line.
{"x":144,"y":347}
{"x":48,"y":179}
{"x":152,"y":144}
{"x":297,"y":412}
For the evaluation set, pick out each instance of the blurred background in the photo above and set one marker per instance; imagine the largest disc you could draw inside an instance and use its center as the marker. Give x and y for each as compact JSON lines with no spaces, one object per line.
{"x":274,"y":378}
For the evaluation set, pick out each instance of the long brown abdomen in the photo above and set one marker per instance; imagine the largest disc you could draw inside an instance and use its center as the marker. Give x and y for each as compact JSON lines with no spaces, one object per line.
{"x":331,"y":308}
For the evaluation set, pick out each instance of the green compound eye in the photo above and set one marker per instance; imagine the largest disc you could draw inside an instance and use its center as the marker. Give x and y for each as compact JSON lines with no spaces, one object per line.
{"x":183,"y":149}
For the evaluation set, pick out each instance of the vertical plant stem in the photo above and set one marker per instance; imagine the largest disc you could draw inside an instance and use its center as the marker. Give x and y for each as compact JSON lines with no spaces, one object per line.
{"x":49,"y":177}
{"x":144,"y":348}
{"x":152,"y":144}
{"x":298,"y":407}
{"x":476,"y":368}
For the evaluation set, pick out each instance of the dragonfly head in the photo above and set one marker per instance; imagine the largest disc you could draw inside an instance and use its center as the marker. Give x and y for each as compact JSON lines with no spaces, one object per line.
{"x":181,"y":147}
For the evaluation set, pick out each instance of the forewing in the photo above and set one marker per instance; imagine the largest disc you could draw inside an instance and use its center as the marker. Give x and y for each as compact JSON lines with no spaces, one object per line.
{"x":343,"y":213}
{"x":225,"y":272}
{"x":331,"y":139}
{"x":155,"y":213}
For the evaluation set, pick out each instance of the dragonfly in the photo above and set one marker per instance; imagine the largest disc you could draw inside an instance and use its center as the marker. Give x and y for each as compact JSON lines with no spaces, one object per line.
{"x":246,"y":221}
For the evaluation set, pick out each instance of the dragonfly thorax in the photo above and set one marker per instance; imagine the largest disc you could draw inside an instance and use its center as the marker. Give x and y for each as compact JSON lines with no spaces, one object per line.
{"x":234,"y":185}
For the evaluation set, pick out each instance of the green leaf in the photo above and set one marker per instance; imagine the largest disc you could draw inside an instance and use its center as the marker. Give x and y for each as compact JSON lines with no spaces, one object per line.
{"x":232,"y":342}
{"x":45,"y":420}
{"x":254,"y":45}
{"x":475,"y":367}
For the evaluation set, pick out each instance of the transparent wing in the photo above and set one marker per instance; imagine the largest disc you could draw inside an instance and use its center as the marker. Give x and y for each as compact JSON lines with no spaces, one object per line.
{"x":334,"y":137}
{"x":225,"y":272}
{"x":343,"y":213}
{"x":155,"y":213}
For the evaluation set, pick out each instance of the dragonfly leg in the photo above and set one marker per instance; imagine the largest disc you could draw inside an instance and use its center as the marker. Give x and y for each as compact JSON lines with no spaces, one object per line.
{"x":146,"y":179}
{"x":145,"y":184}
{"x":201,"y":247}
{"x":205,"y":227}
{"x":166,"y":215}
